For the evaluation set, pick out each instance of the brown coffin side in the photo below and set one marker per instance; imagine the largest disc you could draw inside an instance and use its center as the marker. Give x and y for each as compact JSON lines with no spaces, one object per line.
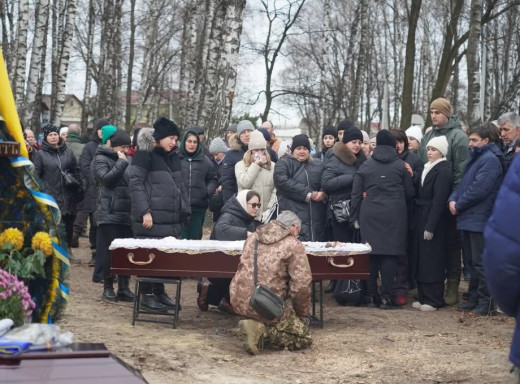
{"x":219,"y":264}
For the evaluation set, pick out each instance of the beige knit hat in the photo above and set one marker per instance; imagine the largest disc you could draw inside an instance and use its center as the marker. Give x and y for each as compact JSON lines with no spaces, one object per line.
{"x":257,"y":140}
{"x":442,"y":105}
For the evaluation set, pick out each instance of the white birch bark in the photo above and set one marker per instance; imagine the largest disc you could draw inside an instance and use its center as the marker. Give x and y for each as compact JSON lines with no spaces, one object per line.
{"x":38,"y":47}
{"x":66,"y":28}
{"x":18,"y":82}
{"x":473,"y":62}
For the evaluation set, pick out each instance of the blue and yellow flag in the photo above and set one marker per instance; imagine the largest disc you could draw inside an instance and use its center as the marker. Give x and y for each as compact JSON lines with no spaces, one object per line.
{"x":8,"y":108}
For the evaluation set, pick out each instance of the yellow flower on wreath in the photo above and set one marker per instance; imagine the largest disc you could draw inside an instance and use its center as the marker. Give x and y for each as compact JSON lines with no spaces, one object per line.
{"x":12,"y":236}
{"x":42,"y":241}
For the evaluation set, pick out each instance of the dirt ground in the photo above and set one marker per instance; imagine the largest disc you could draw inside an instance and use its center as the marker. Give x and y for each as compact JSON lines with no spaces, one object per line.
{"x":356,"y":345}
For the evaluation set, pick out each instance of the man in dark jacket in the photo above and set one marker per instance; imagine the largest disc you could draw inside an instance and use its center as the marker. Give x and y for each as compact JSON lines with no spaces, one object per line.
{"x":91,"y":193}
{"x":472,"y":204}
{"x":382,"y":186}
{"x":509,"y":124}
{"x":446,"y":124}
{"x":501,"y":255}
{"x":238,"y":144}
{"x":75,"y":141}
{"x":158,"y":195}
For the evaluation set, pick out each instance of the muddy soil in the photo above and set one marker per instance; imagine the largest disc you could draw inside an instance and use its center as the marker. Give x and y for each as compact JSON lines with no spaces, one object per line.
{"x":356,"y":345}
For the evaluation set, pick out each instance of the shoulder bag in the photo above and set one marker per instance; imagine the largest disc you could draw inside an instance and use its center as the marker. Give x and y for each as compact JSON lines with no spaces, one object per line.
{"x":341,"y":210}
{"x":264,"y":301}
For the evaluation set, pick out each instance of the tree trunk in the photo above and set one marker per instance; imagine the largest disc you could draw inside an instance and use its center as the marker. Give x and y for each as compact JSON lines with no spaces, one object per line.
{"x":360,"y":68}
{"x":128,"y":108}
{"x":472,"y":59}
{"x":66,"y":24}
{"x":85,"y":112}
{"x":37,"y":65}
{"x":18,"y":81}
{"x":409,"y":68}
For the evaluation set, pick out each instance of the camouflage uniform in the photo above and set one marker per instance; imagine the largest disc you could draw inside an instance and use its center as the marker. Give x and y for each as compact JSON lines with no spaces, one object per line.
{"x":290,"y":333}
{"x":284,"y":268}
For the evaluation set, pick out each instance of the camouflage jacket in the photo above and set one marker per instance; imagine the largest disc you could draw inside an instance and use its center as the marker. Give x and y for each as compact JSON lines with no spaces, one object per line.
{"x":282,"y":266}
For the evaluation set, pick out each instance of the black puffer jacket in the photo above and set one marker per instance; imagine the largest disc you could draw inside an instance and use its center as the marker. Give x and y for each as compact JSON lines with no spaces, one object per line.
{"x":233,"y":223}
{"x":234,"y":155}
{"x":156,"y":186}
{"x":293,"y":181}
{"x":382,"y":186}
{"x":200,"y":176}
{"x":85,"y":161}
{"x":47,"y":163}
{"x":338,"y":175}
{"x":111,"y":175}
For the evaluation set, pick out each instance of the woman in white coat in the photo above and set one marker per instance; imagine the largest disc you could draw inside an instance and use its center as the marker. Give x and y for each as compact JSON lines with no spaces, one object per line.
{"x":255,"y":171}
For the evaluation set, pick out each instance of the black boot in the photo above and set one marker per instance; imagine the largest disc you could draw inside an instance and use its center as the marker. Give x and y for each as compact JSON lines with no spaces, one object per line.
{"x":386,"y":303}
{"x":331,"y":287}
{"x":164,"y":299}
{"x":148,"y":301}
{"x":74,"y":242}
{"x":108,"y":290}
{"x":123,"y":289}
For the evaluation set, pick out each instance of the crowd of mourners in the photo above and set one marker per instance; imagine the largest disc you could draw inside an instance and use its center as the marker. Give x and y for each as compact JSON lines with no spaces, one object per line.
{"x":421,"y":200}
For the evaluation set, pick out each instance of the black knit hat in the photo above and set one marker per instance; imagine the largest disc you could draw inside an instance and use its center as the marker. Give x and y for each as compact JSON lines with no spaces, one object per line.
{"x":330,"y":130}
{"x":48,"y":129}
{"x":301,"y":140}
{"x":164,"y":128}
{"x":197,"y":129}
{"x":266,"y":134}
{"x":119,"y":137}
{"x":344,"y":125}
{"x":100,"y":124}
{"x":385,"y":138}
{"x":352,"y":134}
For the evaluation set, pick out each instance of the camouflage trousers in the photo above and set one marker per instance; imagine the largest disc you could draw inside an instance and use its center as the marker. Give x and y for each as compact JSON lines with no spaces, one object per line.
{"x":290,"y":333}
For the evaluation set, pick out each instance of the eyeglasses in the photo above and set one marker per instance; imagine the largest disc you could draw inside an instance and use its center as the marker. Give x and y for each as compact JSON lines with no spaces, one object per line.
{"x":255,"y":205}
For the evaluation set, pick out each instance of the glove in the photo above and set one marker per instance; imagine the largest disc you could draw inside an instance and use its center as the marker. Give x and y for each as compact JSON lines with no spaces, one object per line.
{"x":428,"y":235}
{"x":356,"y":224}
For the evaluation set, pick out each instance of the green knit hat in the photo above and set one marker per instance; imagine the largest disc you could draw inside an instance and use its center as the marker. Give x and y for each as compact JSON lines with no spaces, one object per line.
{"x":106,"y":132}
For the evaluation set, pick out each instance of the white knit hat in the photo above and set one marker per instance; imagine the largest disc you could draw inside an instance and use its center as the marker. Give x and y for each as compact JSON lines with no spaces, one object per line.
{"x":440,"y":143}
{"x":415,"y":132}
{"x":257,"y":141}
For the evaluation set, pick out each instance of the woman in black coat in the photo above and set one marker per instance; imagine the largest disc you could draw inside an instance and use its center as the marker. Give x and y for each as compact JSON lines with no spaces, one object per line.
{"x":236,"y":221}
{"x":200,"y":178}
{"x":50,"y":162}
{"x":405,"y":277}
{"x":109,"y":167}
{"x":297,"y":178}
{"x":381,"y":188}
{"x":338,"y":178}
{"x":431,"y":224}
{"x":158,"y":195}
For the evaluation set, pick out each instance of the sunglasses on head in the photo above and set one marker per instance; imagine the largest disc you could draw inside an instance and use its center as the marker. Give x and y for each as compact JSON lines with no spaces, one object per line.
{"x":255,"y":205}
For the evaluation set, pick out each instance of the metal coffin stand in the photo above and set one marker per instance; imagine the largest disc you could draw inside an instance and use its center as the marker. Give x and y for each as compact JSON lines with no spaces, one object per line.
{"x":149,"y":262}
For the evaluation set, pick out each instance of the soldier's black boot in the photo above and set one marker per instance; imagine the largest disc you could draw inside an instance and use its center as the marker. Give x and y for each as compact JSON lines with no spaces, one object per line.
{"x":123,"y":289}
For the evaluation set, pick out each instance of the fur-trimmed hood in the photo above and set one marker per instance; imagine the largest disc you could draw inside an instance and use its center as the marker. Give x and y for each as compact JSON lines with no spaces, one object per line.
{"x":145,"y":140}
{"x":235,"y":144}
{"x":341,"y":152}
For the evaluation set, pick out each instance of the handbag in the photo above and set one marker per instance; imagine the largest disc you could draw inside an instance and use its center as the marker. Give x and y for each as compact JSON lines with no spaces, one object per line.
{"x":271,"y":213}
{"x":341,"y":210}
{"x":264,"y":301}
{"x":184,"y":206}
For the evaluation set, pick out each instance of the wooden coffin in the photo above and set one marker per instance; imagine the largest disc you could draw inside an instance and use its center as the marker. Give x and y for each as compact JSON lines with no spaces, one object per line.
{"x":155,"y":262}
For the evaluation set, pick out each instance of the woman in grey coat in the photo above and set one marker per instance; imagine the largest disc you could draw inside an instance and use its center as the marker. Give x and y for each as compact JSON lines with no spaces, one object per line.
{"x":381,"y":189}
